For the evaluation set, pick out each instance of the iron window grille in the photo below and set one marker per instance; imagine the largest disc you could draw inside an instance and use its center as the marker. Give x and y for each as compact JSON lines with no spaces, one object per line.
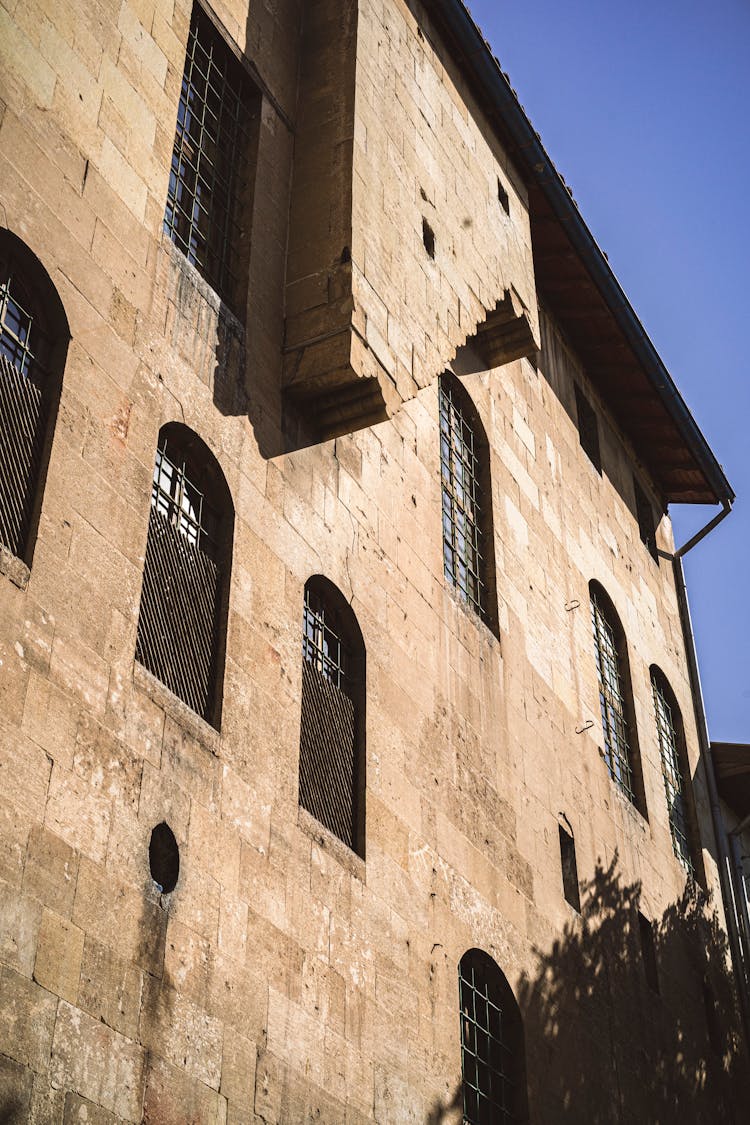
{"x":210,"y":151}
{"x":612,"y":700}
{"x":461,"y":502}
{"x":674,"y":784}
{"x":588,"y":429}
{"x":322,"y":644}
{"x":183,"y":584}
{"x":331,"y":763}
{"x":488,"y":1049}
{"x":23,"y":409}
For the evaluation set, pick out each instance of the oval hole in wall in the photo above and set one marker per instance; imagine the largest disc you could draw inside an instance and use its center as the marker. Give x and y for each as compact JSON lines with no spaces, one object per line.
{"x":164,"y":858}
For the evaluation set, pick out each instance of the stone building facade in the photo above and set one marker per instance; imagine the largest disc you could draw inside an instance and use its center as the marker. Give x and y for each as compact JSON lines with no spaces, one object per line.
{"x":396,"y":246}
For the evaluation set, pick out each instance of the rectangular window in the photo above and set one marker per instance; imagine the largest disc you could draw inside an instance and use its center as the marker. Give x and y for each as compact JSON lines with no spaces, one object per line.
{"x":569,"y":869}
{"x":648,"y":949}
{"x":588,"y":429}
{"x":646,"y":524}
{"x":210,"y":159}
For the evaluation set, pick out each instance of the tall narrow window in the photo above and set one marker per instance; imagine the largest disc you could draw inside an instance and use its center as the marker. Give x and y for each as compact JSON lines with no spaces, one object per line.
{"x":569,"y":869}
{"x":646,"y":523}
{"x":468,"y":551}
{"x":210,"y":160}
{"x":492,"y":1050}
{"x":673,"y":767}
{"x":34,"y":338}
{"x":183,"y":611}
{"x":620,"y":745}
{"x":332,"y":727}
{"x":588,"y":429}
{"x":648,"y":951}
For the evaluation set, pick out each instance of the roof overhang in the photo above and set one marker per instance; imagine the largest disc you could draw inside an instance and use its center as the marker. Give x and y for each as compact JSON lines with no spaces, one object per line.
{"x":575,"y":281}
{"x":732,"y":767}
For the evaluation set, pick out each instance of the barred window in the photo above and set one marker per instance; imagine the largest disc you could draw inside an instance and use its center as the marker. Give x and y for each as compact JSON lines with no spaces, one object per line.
{"x":672,"y":751}
{"x":468,"y":554}
{"x":34,"y":337}
{"x":210,"y":159}
{"x":182,"y":616}
{"x":588,"y":429}
{"x":492,"y":1051}
{"x":331,"y":768}
{"x":620,"y":748}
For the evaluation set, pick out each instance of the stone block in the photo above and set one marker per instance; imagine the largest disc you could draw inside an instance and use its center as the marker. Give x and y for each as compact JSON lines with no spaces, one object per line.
{"x":97,"y":1063}
{"x":27,"y":1020}
{"x":51,"y":870}
{"x":58,"y":957}
{"x":110,"y":988}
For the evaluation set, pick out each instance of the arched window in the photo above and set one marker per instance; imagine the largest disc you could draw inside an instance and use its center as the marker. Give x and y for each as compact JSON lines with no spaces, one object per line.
{"x":468,"y":547}
{"x":493,"y":1068}
{"x":616,"y":699}
{"x":34,"y":338}
{"x":332,"y":728}
{"x":183,"y":611}
{"x":675,"y":771}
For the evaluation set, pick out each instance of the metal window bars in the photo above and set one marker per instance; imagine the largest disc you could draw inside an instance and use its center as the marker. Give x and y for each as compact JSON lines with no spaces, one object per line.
{"x":177,"y":637}
{"x":15,"y":328}
{"x":487,"y":1058}
{"x":461,"y":502}
{"x":210,"y":147}
{"x":673,"y":777}
{"x":612,"y":700}
{"x":182,"y":504}
{"x":322,"y":644}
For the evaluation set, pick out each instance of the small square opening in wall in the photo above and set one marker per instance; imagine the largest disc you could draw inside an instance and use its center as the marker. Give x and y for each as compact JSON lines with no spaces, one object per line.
{"x":569,"y":869}
{"x":502,"y":196}
{"x":428,"y":237}
{"x":648,"y":949}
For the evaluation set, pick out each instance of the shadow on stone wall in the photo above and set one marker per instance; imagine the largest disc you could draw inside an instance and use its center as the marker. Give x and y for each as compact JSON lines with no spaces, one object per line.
{"x":605,"y":1046}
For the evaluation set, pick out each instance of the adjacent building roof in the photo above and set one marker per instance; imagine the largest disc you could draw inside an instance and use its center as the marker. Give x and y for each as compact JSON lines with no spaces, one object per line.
{"x":575,"y":280}
{"x":732,"y":764}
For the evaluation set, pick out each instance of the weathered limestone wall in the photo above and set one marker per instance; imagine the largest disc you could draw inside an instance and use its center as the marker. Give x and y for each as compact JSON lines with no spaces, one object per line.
{"x":284,"y":980}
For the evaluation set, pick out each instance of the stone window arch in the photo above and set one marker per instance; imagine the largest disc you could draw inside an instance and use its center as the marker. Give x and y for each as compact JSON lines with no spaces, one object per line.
{"x":466,"y":500}
{"x":184,"y":599}
{"x":493,"y":1067}
{"x":332,"y":727}
{"x":34,"y":337}
{"x":621,"y":753}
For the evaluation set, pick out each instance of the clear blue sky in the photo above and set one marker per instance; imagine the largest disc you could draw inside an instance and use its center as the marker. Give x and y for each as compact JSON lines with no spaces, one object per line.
{"x":645,"y":110}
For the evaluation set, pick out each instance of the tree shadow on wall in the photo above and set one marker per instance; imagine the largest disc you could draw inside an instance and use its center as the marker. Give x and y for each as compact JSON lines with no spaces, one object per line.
{"x":604,"y":1046}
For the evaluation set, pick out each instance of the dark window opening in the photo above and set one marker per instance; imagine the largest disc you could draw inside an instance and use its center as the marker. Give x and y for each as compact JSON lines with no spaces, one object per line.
{"x":569,"y":869}
{"x":713,"y":1019}
{"x":332,"y":727}
{"x":428,"y":237}
{"x":646,"y":523}
{"x":615,"y":698}
{"x":675,"y":773}
{"x":492,"y":1050}
{"x":648,"y":951}
{"x":502,"y":196}
{"x":183,"y":610}
{"x":164,"y":858}
{"x":211,"y":161}
{"x":588,"y":430}
{"x":34,"y":338}
{"x":468,"y":548}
